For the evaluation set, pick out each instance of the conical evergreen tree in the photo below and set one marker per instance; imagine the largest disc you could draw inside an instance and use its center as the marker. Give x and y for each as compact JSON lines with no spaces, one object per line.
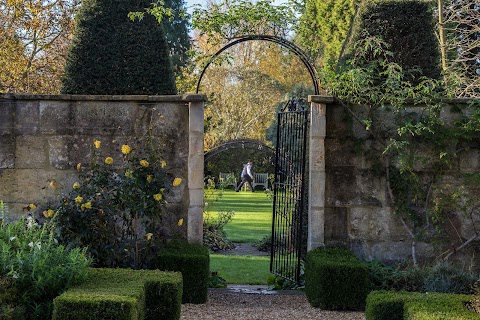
{"x":110,"y":54}
{"x":407,"y":27}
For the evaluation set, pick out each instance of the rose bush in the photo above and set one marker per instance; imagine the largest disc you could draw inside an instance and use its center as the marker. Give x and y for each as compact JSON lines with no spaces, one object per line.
{"x":117,"y":209}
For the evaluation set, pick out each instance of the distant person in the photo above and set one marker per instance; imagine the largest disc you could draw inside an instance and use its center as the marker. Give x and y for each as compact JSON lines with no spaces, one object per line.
{"x":247,"y":176}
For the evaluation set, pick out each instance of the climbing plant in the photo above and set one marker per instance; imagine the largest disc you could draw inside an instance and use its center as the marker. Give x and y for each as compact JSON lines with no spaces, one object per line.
{"x":417,"y":149}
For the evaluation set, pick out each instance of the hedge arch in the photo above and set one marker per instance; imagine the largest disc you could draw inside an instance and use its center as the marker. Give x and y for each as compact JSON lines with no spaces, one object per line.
{"x":250,"y":144}
{"x":284,"y":43}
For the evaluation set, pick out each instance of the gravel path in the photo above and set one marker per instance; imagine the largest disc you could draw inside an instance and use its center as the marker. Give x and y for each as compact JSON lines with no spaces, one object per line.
{"x":243,"y":249}
{"x":249,"y":306}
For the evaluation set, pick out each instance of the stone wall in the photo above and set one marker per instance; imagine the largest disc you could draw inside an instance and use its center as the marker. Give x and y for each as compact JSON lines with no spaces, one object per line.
{"x":44,"y":137}
{"x":358,"y":210}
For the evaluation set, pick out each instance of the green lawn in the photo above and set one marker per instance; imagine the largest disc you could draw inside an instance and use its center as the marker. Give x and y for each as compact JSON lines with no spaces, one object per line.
{"x":241,"y":269}
{"x":252,"y":221}
{"x":253,"y":214}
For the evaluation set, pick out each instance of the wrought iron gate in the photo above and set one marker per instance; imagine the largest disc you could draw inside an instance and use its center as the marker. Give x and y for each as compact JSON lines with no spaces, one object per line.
{"x":289,"y":190}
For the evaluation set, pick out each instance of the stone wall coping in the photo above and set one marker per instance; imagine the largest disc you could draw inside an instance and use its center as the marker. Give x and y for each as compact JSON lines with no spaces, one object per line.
{"x":75,"y":97}
{"x":321,"y":99}
{"x":331,"y":99}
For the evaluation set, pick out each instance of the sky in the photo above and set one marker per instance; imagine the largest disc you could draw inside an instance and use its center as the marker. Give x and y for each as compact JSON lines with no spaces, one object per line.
{"x":191,"y":3}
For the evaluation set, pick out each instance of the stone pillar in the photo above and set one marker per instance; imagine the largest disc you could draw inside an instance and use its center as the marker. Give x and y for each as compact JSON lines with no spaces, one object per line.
{"x":195,"y":173}
{"x":316,"y":188}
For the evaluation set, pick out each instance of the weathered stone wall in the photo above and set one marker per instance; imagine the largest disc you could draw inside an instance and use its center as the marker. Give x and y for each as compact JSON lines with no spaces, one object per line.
{"x":43,"y":138}
{"x":358,"y":209}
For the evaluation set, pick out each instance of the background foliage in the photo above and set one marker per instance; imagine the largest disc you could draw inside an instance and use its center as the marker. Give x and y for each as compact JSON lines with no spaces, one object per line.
{"x":247,"y":81}
{"x":176,"y":29}
{"x":324,"y":26}
{"x":232,"y":161}
{"x":35,"y":36}
{"x":228,"y":20}
{"x":462,"y":46}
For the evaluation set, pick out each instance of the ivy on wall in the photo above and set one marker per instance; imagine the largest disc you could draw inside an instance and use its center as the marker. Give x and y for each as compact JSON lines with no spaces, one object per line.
{"x":418,"y":149}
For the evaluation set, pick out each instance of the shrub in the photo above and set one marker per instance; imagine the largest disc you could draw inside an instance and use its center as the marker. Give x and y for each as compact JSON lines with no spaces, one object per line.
{"x":441,"y":307}
{"x":122,"y":294}
{"x":265,"y":244}
{"x":9,"y":308}
{"x":216,"y":240}
{"x":383,"y":277}
{"x":276,"y":282}
{"x":110,"y":54}
{"x":216,"y":281}
{"x":193,"y":261}
{"x":449,"y":279}
{"x":34,"y":268}
{"x":214,"y":236}
{"x":441,"y":278}
{"x":335,"y":279}
{"x":117,"y":207}
{"x":383,"y":305}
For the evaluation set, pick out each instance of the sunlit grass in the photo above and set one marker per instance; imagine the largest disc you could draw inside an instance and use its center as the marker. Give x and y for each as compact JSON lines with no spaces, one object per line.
{"x":241,"y":269}
{"x":252,"y":222}
{"x":253,"y":214}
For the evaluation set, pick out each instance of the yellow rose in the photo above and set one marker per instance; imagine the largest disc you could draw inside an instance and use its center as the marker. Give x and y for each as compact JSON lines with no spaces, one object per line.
{"x":79,"y":166}
{"x":157,"y":196}
{"x":129,"y":174}
{"x":87,"y":205}
{"x":126,"y":149}
{"x":163,"y":164}
{"x":177,"y":182}
{"x":149,"y":236}
{"x":32,"y":206}
{"x":78,"y":199}
{"x":76,"y":185}
{"x":97,"y":144}
{"x":144,"y":163}
{"x":149,"y":178}
{"x":108,"y":160}
{"x":48,"y":213}
{"x":53,"y":184}
{"x":180,"y":222}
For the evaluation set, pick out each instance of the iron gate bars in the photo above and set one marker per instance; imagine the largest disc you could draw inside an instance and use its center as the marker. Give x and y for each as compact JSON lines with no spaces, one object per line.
{"x":289,"y":191}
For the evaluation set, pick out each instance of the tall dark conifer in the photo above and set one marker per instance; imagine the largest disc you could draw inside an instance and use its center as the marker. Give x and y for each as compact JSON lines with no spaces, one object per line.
{"x":110,"y":54}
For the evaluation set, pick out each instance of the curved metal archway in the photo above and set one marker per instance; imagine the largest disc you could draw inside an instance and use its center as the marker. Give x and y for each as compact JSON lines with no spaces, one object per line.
{"x":238,"y":144}
{"x":284,"y":43}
